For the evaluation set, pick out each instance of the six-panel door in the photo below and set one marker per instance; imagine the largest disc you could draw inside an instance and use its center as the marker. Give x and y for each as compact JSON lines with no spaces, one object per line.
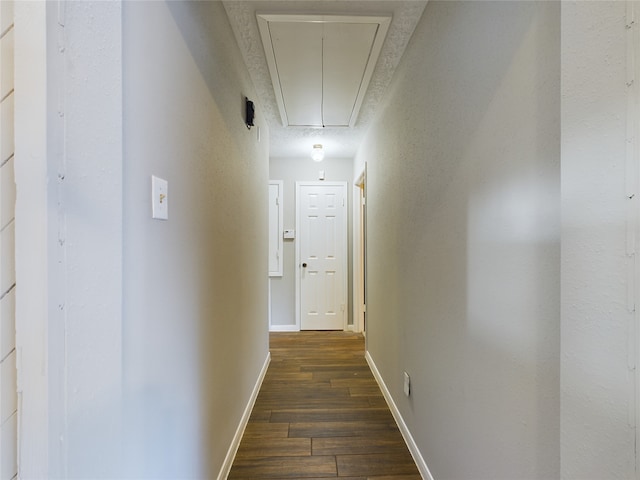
{"x":323,"y":256}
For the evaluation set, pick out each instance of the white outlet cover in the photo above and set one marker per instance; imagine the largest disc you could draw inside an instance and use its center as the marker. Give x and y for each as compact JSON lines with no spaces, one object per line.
{"x":159,"y":198}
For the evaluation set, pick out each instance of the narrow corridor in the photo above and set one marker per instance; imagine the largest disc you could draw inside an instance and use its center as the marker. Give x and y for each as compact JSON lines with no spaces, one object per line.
{"x":320,"y":414}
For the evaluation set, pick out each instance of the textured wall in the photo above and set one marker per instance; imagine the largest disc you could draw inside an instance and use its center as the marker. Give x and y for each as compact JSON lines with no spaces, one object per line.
{"x":292,"y":170}
{"x":69,"y":237}
{"x":195,"y":309}
{"x":463,"y":239}
{"x":597,"y":386}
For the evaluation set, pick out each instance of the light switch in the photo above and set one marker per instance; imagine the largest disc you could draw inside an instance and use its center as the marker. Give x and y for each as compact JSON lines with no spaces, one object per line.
{"x":407,"y":384}
{"x":289,"y":234}
{"x":159,"y":198}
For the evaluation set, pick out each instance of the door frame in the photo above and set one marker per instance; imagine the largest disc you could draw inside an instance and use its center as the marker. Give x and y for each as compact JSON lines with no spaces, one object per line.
{"x":279,"y":272}
{"x":359,"y":251}
{"x":345,"y":272}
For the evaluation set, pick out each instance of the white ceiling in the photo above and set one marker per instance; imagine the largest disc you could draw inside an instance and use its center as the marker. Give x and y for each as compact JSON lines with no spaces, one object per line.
{"x":338,"y":141}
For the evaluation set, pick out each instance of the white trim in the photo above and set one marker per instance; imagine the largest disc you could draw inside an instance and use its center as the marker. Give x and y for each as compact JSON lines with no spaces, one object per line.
{"x":355,"y":258}
{"x":356,"y":244}
{"x":280,"y":241}
{"x":237,"y":438}
{"x":404,"y":430}
{"x":269,"y":302}
{"x":345,"y":280}
{"x":35,"y":447}
{"x":284,"y":328}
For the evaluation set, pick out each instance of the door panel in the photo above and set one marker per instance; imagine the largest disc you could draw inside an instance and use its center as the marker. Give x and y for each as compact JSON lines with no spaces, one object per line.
{"x":322,"y":256}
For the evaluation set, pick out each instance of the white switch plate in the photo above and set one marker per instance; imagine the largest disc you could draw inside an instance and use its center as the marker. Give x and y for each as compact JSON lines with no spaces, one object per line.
{"x":159,"y":198}
{"x":289,"y":234}
{"x":407,"y":384}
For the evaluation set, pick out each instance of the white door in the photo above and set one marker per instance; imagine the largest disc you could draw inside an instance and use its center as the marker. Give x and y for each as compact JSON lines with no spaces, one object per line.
{"x":322,"y":255}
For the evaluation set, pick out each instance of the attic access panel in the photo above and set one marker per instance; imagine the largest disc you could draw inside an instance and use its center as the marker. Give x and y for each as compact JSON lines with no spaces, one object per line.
{"x":321,"y":65}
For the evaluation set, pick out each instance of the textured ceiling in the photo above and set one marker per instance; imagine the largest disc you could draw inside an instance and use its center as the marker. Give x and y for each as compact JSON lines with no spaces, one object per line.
{"x":339,"y":142}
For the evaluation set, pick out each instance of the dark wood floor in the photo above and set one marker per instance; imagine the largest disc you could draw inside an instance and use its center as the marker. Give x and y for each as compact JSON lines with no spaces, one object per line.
{"x":320,"y":414}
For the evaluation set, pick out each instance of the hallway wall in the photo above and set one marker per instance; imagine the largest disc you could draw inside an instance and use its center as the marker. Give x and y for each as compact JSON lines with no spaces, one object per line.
{"x":195,"y":309}
{"x":140,"y":341}
{"x":464,"y":239}
{"x":599,"y":227}
{"x":292,"y":170}
{"x":68,"y":169}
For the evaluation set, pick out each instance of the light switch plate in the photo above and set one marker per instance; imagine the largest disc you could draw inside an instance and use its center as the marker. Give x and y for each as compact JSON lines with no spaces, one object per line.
{"x":159,"y":198}
{"x":407,"y":384}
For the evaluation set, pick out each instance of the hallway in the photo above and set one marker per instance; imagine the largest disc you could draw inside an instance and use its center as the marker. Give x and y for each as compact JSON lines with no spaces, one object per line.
{"x":320,"y":413}
{"x":501,"y":161}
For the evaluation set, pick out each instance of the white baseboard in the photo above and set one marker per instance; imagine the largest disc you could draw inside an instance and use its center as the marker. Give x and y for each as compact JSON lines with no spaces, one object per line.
{"x":237,"y":438}
{"x":284,"y":328}
{"x":404,"y":430}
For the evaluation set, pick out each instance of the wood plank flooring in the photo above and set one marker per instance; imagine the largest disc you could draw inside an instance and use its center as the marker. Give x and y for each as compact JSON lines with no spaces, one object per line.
{"x":320,"y":414}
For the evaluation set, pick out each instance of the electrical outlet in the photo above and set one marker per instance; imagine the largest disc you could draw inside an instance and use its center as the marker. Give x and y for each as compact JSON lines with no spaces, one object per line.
{"x":407,"y":384}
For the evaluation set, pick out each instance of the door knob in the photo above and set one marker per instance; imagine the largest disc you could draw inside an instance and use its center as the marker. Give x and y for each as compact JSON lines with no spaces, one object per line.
{"x":304,"y":265}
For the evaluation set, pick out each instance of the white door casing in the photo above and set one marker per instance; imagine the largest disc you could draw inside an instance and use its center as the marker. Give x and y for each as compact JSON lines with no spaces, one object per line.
{"x":321,"y":255}
{"x":275,"y":228}
{"x":276,"y":251}
{"x":358,"y":250}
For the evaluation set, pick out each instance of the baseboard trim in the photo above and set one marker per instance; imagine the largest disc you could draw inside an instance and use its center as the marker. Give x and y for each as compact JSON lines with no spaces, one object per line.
{"x":284,"y":328}
{"x":237,"y":438}
{"x":404,"y":430}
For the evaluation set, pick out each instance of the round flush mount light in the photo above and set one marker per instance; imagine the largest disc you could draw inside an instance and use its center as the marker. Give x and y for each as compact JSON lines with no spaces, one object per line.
{"x":317,"y":154}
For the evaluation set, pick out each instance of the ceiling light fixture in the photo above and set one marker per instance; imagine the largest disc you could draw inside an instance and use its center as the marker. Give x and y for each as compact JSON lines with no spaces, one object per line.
{"x":317,"y":153}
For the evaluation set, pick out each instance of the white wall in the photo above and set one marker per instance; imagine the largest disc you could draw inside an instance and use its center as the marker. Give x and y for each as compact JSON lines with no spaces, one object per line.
{"x":464,"y":239}
{"x":292,"y":170}
{"x":69,"y":238}
{"x":140,"y":341}
{"x":598,"y":393}
{"x":195,"y":309}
